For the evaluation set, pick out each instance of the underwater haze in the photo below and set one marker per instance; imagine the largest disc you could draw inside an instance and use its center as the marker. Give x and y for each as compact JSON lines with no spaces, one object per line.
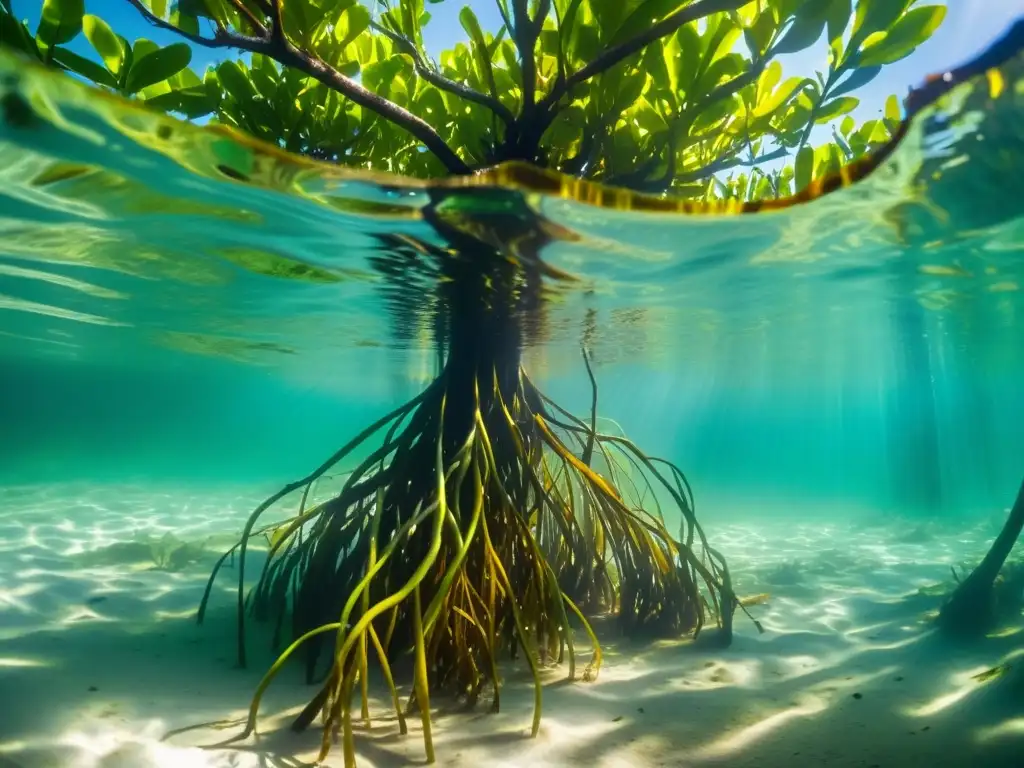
{"x":163,"y":322}
{"x":190,"y":320}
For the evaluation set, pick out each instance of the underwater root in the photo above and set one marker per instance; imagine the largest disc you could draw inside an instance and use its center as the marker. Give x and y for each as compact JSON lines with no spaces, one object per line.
{"x":972,"y":609}
{"x":476,"y":529}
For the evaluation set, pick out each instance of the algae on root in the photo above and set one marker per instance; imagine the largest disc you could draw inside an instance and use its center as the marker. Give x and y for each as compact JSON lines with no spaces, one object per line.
{"x":476,"y":527}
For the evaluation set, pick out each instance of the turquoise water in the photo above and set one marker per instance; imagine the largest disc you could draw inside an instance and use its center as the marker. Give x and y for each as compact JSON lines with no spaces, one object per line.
{"x":188,"y":321}
{"x":161,"y":321}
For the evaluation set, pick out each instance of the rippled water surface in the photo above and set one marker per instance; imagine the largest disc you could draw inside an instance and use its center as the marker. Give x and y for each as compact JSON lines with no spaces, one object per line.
{"x":142,"y":259}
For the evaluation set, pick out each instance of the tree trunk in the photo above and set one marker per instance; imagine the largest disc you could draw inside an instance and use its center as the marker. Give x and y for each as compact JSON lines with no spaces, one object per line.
{"x":970,"y":611}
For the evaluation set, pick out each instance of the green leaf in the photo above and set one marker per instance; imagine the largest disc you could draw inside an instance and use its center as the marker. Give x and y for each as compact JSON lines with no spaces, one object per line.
{"x":235,"y":81}
{"x":647,"y":117}
{"x":847,"y":125}
{"x":480,"y":51}
{"x":411,"y":12}
{"x":769,"y":78}
{"x":143,"y":47}
{"x":352,"y":24}
{"x":839,"y":18}
{"x":689,"y":57}
{"x":193,"y":102}
{"x":857,"y":79}
{"x":109,"y":46}
{"x":828,"y":159}
{"x":807,"y":27}
{"x":710,"y":118}
{"x":379,"y":75}
{"x":839,"y":13}
{"x":760,"y":34}
{"x":157,"y":66}
{"x":780,"y":96}
{"x":84,"y":67}
{"x":836,"y":107}
{"x":646,"y":14}
{"x":126,"y":63}
{"x":185,"y":21}
{"x":508,"y":55}
{"x":349,"y":68}
{"x":60,"y":22}
{"x":263,"y":78}
{"x":653,"y":61}
{"x":893,"y":113}
{"x":892,"y":108}
{"x":876,"y":16}
{"x":905,"y":35}
{"x":841,"y":143}
{"x":471,"y":24}
{"x":16,"y":34}
{"x":804,"y":167}
{"x":627,"y":90}
{"x":795,"y":121}
{"x":872,"y":132}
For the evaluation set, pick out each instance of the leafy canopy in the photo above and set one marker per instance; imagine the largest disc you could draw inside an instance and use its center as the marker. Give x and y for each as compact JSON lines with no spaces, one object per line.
{"x":664,"y":96}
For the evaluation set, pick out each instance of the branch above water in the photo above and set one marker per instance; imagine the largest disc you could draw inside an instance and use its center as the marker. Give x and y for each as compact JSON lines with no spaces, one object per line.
{"x":435,"y":78}
{"x":617,"y":53}
{"x":273,"y":44}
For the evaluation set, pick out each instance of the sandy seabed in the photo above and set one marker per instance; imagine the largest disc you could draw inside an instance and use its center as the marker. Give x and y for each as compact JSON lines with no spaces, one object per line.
{"x":100,"y":655}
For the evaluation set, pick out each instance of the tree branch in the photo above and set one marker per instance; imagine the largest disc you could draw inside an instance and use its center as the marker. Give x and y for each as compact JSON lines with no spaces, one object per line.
{"x":638,"y":180}
{"x":726,"y":163}
{"x":503,"y":11}
{"x":438,"y":80}
{"x":256,"y":23}
{"x":277,"y":47}
{"x":612,"y":56}
{"x":588,"y":451}
{"x":525,"y":33}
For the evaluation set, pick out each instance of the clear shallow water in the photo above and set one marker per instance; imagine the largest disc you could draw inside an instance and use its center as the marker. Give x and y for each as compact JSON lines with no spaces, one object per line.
{"x":173,"y":343}
{"x":93,"y":622}
{"x":160,"y":318}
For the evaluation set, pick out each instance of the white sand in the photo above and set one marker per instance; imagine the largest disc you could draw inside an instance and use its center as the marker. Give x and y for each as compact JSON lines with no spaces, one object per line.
{"x":100,"y":656}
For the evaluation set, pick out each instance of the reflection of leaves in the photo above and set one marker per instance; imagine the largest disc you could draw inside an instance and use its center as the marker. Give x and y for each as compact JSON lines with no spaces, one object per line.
{"x":117,"y":195}
{"x":275,"y":265}
{"x":992,"y":674}
{"x":220,"y":346}
{"x":943,"y":270}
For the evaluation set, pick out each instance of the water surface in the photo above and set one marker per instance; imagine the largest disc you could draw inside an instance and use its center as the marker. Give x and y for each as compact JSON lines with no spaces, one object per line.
{"x":178,"y":302}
